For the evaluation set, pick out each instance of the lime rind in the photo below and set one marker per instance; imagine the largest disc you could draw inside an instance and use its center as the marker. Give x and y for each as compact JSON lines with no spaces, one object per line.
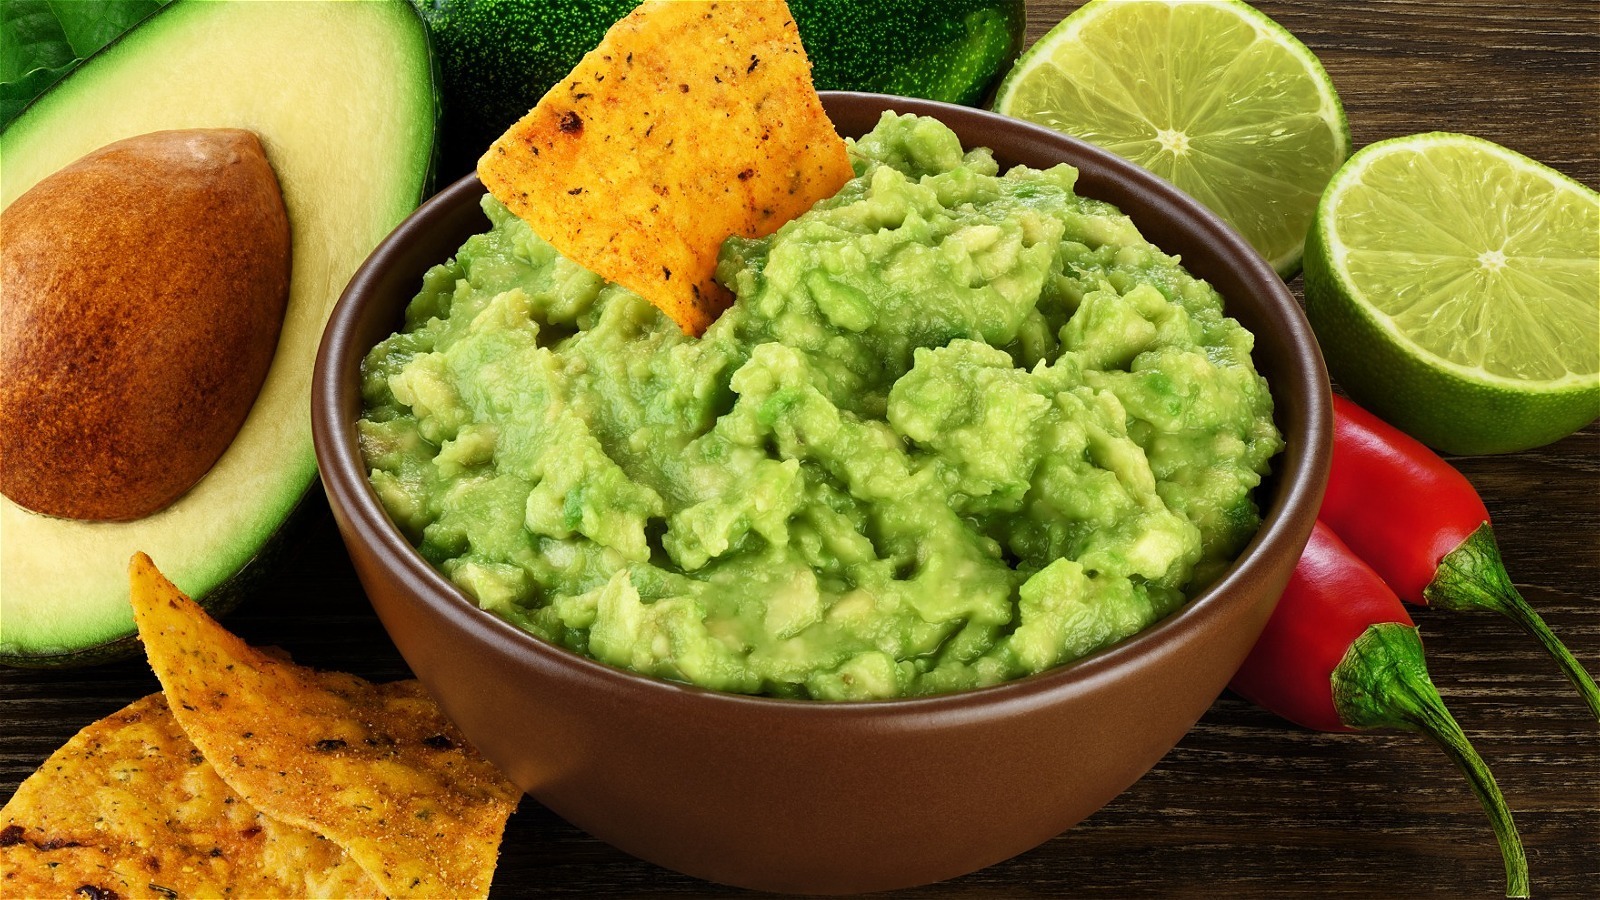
{"x":1547,"y":340}
{"x":1211,"y":95}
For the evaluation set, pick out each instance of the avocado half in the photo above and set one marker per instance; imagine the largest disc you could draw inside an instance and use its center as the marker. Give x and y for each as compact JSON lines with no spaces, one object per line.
{"x":344,"y":99}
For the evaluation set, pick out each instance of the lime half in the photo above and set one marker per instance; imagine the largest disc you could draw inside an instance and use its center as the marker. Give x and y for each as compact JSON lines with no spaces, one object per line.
{"x":1209,"y":94}
{"x":1455,"y":287}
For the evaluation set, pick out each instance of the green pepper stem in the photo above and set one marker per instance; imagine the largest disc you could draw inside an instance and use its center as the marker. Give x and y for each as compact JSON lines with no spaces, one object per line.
{"x":1383,"y":682}
{"x":1472,"y":577}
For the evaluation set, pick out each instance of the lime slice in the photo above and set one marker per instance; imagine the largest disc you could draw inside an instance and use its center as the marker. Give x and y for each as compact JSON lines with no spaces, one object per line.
{"x":1455,"y":287}
{"x":1209,"y":94}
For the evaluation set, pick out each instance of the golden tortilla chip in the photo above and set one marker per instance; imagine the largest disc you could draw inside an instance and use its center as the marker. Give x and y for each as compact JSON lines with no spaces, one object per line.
{"x":377,"y":769}
{"x":690,"y":122}
{"x":76,"y":872}
{"x":130,"y":808}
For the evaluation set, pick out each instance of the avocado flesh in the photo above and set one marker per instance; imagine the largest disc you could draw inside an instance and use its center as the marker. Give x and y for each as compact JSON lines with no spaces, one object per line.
{"x":342,"y":96}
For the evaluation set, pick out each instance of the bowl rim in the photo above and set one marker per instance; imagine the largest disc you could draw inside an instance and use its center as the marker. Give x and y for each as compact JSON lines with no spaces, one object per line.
{"x":1300,"y":480}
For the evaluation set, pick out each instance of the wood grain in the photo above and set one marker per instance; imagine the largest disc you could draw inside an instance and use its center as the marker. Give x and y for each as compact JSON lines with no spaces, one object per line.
{"x":1245,"y":806}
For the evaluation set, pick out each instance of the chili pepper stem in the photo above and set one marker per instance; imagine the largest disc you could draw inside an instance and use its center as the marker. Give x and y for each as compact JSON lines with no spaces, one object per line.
{"x":1472,"y":577}
{"x":1383,"y":682}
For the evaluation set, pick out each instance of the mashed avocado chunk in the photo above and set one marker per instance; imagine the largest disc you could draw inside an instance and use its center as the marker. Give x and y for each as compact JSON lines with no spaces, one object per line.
{"x":959,"y":427}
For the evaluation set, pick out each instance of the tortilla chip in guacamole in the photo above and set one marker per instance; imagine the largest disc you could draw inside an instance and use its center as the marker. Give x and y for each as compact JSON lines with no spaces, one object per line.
{"x":692,"y":121}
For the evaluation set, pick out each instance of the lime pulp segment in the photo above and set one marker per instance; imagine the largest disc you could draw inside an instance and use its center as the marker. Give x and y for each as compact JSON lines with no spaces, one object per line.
{"x":1209,"y":94}
{"x":1474,"y":254}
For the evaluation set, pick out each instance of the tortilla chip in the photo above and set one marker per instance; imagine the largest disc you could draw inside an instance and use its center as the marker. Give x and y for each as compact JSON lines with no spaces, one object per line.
{"x":690,"y":122}
{"x":130,"y":808}
{"x":377,"y":769}
{"x":77,"y":872}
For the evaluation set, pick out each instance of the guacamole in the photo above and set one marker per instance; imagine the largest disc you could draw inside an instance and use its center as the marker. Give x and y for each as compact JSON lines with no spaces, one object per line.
{"x":958,"y":427}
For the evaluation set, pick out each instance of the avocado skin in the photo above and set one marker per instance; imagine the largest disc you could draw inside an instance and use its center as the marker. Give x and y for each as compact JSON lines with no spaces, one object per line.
{"x":498,"y":57}
{"x":951,"y":50}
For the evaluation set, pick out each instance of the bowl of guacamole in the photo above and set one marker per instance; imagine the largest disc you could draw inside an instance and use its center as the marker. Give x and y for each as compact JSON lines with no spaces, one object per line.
{"x":934,"y":541}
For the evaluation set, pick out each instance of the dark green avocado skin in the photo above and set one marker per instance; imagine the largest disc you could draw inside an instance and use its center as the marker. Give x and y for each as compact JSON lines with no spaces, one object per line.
{"x":948,"y":50}
{"x":498,"y":57}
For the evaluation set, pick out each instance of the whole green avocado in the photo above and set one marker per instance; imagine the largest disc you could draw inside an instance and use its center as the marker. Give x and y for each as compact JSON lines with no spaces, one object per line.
{"x":498,"y":57}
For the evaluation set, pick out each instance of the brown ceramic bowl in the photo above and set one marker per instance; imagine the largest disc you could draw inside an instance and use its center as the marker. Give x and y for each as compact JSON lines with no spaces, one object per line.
{"x":833,"y":797}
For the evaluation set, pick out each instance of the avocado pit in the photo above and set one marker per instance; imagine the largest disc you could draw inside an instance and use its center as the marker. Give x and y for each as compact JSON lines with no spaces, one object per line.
{"x":144,"y":289}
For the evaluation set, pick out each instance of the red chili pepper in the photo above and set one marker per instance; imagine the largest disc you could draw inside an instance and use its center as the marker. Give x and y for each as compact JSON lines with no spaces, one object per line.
{"x":1340,"y":653}
{"x":1420,"y":525}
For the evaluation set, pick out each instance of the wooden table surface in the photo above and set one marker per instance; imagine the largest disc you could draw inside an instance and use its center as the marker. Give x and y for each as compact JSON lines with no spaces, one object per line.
{"x":1246,"y":805}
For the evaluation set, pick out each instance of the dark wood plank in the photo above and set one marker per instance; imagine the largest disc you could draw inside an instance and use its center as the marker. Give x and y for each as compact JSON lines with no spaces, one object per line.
{"x":1245,"y":806}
